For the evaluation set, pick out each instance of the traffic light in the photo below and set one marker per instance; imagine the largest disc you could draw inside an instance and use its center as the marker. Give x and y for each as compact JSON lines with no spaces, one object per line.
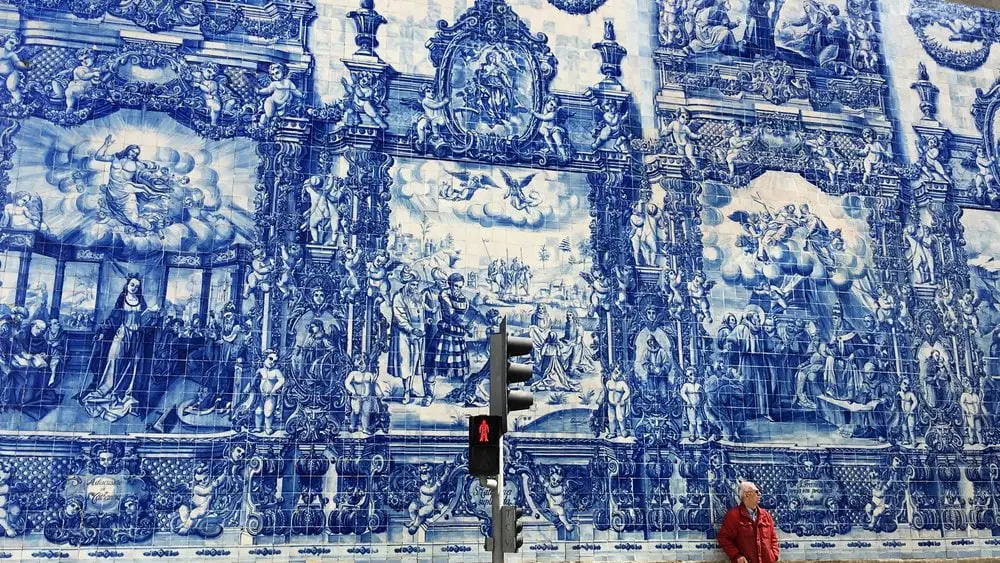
{"x":484,"y":445}
{"x":512,"y":528}
{"x":503,"y":373}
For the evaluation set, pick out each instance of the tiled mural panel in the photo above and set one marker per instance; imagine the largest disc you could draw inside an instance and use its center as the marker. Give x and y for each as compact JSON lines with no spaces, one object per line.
{"x":250,"y":255}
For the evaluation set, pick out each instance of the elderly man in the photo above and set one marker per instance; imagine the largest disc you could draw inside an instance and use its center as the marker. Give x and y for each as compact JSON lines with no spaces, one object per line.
{"x":747,"y":534}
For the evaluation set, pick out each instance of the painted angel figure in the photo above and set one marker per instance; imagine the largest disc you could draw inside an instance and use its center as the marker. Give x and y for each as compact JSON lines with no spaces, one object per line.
{"x":363,"y":99}
{"x":518,"y":194}
{"x":600,"y":292}
{"x":73,"y":84}
{"x":967,"y":304}
{"x":874,"y":152}
{"x":611,"y":124}
{"x":280,"y":93}
{"x":428,"y":502}
{"x":291,"y":262}
{"x":826,"y":153}
{"x":985,"y":182}
{"x":217,"y":99}
{"x":550,"y":128}
{"x":262,"y":268}
{"x":672,"y":25}
{"x":12,"y":68}
{"x":326,"y":208}
{"x":555,"y":497}
{"x":23,"y":213}
{"x":469,"y":184}
{"x":434,"y":117}
{"x":683,"y":136}
{"x":929,"y":165}
{"x":379,"y":285}
{"x":733,"y":146}
{"x":698,"y":289}
{"x":198,"y":505}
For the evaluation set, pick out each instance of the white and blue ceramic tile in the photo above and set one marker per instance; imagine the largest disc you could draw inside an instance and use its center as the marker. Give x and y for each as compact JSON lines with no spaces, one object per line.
{"x":250,"y":259}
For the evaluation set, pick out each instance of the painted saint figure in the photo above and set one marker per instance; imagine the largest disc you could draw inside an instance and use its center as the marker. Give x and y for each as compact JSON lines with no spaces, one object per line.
{"x":550,"y":373}
{"x":121,"y":356}
{"x":449,"y":352}
{"x":495,"y":90}
{"x":137,"y":190}
{"x":406,"y":340}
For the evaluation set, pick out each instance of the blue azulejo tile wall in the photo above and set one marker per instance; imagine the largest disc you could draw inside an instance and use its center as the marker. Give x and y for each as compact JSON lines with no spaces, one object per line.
{"x":251,"y":253}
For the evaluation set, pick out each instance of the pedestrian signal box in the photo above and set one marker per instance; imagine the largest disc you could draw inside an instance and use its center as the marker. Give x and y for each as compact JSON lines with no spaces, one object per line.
{"x":484,"y":445}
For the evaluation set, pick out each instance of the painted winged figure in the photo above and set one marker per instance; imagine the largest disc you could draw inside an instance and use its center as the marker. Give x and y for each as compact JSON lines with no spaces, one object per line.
{"x":468,"y":184}
{"x":518,"y":194}
{"x":23,"y":213}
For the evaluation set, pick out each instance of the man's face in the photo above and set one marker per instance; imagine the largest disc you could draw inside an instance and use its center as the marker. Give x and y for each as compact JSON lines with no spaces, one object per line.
{"x":751,"y":497}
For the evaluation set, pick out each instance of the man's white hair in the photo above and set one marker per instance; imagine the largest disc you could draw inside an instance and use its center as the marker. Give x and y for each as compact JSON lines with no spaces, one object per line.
{"x":743,"y":487}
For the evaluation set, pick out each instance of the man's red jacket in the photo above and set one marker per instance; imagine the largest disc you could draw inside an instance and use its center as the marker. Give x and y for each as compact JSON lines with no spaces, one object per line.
{"x":739,"y":535}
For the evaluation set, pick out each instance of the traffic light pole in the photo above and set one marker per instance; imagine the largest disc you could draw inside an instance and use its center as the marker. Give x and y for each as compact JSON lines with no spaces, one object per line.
{"x":497,"y":500}
{"x":498,"y":351}
{"x":503,"y":400}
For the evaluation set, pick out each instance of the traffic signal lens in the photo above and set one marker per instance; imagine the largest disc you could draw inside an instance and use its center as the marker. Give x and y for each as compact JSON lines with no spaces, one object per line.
{"x":518,"y":346}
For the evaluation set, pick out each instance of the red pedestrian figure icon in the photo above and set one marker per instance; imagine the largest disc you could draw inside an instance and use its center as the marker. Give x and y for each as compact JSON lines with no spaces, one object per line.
{"x":484,"y":431}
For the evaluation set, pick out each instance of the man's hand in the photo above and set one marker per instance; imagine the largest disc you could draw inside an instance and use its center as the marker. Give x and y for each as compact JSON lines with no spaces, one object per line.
{"x":742,"y":559}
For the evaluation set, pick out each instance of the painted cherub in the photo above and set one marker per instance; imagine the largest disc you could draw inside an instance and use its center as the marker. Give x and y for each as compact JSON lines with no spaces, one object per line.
{"x":600,"y":292}
{"x":23,"y":213}
{"x":877,"y":506}
{"x":82,"y":78}
{"x":985,"y":182}
{"x":555,"y":496}
{"x":683,"y":136}
{"x":352,"y":263}
{"x":670,"y":24}
{"x":973,"y":412}
{"x":967,"y":309}
{"x":733,"y":146}
{"x":863,"y":38}
{"x":874,"y":152}
{"x":200,"y":502}
{"x":549,"y":128}
{"x":12,"y":67}
{"x":908,"y":409}
{"x":378,"y":278}
{"x":427,"y":501}
{"x":270,"y":381}
{"x":698,"y":289}
{"x":885,"y":303}
{"x":291,"y":262}
{"x":361,"y":100}
{"x":280,"y":92}
{"x":360,"y":384}
{"x":5,"y":507}
{"x":930,"y":165}
{"x":215,"y":97}
{"x":692,"y":397}
{"x":433,"y":118}
{"x":262,"y":267}
{"x":824,"y":150}
{"x":611,"y":124}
